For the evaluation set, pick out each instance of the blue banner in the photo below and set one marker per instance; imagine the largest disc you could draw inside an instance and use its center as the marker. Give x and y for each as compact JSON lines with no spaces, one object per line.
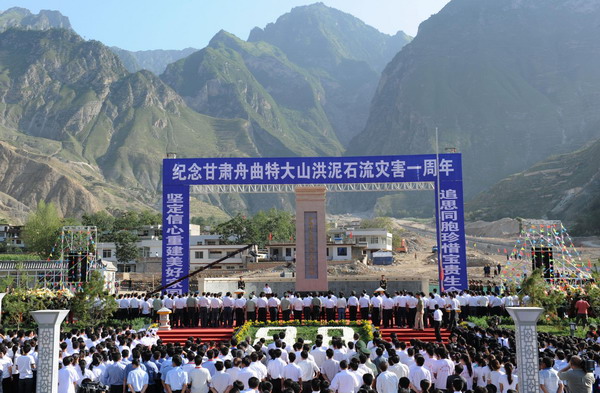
{"x":450,"y":223}
{"x":311,"y":170}
{"x":175,"y":237}
{"x":180,"y":173}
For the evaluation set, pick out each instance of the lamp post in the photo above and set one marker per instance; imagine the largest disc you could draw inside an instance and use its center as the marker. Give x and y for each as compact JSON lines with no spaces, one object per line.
{"x":527,"y":346}
{"x":573,"y":327}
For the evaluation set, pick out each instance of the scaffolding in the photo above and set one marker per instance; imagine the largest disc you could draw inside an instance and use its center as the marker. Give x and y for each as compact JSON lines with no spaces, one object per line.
{"x":78,"y":256}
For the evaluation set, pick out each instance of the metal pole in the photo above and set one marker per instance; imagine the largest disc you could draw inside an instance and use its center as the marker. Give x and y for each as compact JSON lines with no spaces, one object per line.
{"x":439,"y":211}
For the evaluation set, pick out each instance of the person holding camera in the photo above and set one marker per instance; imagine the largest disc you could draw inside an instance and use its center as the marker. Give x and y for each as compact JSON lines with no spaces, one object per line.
{"x":579,"y":379}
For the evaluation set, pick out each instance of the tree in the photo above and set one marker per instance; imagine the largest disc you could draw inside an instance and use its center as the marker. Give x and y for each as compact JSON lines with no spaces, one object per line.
{"x":103,"y":222}
{"x":275,"y":224}
{"x":149,"y":217}
{"x":93,"y":305}
{"x":42,"y":229}
{"x":125,"y":243}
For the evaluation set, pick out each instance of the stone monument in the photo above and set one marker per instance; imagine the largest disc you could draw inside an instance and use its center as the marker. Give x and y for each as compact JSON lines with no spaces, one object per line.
{"x":527,"y":347}
{"x":48,"y":337}
{"x":311,"y":239}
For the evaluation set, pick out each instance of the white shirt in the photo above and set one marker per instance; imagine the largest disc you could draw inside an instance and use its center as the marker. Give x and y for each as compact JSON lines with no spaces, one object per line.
{"x":438,"y":315}
{"x":505,"y":385}
{"x":23,"y":364}
{"x":401,"y":370}
{"x":442,"y":368}
{"x":199,"y":378}
{"x":549,"y":378}
{"x":137,"y":378}
{"x":352,"y":301}
{"x":267,"y":290}
{"x":387,"y":382}
{"x":376,"y":302}
{"x":364,"y":302}
{"x":309,"y":369}
{"x":5,"y":363}
{"x":292,"y":371}
{"x":319,"y":354}
{"x":245,"y":374}
{"x":330,"y":368}
{"x":67,"y":376}
{"x":416,"y":374}
{"x":345,"y":382}
{"x":275,"y":368}
{"x":176,"y":378}
{"x":220,"y":381}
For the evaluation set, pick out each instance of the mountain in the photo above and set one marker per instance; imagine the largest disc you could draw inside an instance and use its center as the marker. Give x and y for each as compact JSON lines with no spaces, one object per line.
{"x":565,"y":187}
{"x":342,"y":52}
{"x":23,"y":19}
{"x":74,"y":101}
{"x":151,"y":60}
{"x":507,"y":82}
{"x":231,"y":78}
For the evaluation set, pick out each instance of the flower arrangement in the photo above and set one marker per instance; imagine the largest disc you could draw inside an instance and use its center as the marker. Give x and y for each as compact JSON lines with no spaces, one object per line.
{"x":366,"y":327}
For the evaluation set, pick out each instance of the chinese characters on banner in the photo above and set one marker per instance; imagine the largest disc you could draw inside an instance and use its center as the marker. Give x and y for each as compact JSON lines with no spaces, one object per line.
{"x":311,"y":246}
{"x":309,"y":170}
{"x":176,"y":241}
{"x":452,"y":253}
{"x":179,"y":174}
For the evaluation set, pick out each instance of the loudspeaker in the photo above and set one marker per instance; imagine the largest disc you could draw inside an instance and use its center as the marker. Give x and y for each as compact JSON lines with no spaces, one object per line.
{"x":541,"y":258}
{"x":77,"y":265}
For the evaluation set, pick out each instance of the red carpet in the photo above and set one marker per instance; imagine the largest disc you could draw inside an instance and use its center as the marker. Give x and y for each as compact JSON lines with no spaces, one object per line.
{"x":181,"y":335}
{"x":408,"y":334}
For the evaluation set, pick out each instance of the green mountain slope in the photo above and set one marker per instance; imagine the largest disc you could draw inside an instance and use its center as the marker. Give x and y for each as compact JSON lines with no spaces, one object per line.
{"x":507,"y":82}
{"x":23,"y":18}
{"x":232,"y":78}
{"x":342,"y":52}
{"x":565,"y":187}
{"x":151,"y":60}
{"x":73,"y":100}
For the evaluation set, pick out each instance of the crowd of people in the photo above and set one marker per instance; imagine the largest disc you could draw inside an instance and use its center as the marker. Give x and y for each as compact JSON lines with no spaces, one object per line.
{"x":388,"y":309}
{"x":474,"y":360}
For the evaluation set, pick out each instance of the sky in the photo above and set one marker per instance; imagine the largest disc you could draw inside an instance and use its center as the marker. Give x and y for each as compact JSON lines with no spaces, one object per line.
{"x":177,"y":24}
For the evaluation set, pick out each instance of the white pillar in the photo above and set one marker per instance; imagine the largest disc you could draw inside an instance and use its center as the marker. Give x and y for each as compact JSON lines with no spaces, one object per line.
{"x":527,"y":347}
{"x":2,"y":294}
{"x":48,"y":340}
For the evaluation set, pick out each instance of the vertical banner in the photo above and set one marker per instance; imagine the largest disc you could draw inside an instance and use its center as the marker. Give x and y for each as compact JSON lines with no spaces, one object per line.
{"x":450,"y":223}
{"x":176,"y":240}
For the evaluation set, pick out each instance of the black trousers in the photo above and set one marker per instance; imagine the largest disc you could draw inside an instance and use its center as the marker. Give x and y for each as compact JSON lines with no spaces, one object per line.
{"x":285,"y":315}
{"x":388,"y":318}
{"x":228,"y":316}
{"x":353,"y":312}
{"x":436,"y":326}
{"x":412,"y":312}
{"x":307,"y":313}
{"x":276,"y":382}
{"x":203,"y":315}
{"x":273,"y":313}
{"x":375,"y":316}
{"x":297,"y":315}
{"x":330,"y":312}
{"x":262,"y":314}
{"x":239,"y":316}
{"x":364,"y":313}
{"x":252,"y":316}
{"x":116,"y":389}
{"x":316,"y":313}
{"x":26,"y":385}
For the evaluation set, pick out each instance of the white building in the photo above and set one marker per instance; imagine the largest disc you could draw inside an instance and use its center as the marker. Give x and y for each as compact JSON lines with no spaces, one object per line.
{"x":371,"y":240}
{"x":204,"y":249}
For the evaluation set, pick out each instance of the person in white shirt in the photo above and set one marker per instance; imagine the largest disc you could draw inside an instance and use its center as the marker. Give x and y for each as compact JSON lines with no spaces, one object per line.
{"x":291,"y":370}
{"x":508,"y":380}
{"x":364,"y":303}
{"x":442,"y":368}
{"x":352,"y":306}
{"x":199,"y":377}
{"x":397,"y":367}
{"x":437,"y":322}
{"x":275,"y":370}
{"x":549,"y":381}
{"x":341,"y":306}
{"x":67,"y":377}
{"x":387,"y":381}
{"x":319,"y":353}
{"x":388,"y":311}
{"x":246,"y":373}
{"x":417,"y":373}
{"x":221,"y":381}
{"x":267,"y":289}
{"x":177,"y":379}
{"x":6,"y":365}
{"x":25,"y":364}
{"x":376,"y":309}
{"x":309,"y":370}
{"x":137,"y":379}
{"x":345,"y":381}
